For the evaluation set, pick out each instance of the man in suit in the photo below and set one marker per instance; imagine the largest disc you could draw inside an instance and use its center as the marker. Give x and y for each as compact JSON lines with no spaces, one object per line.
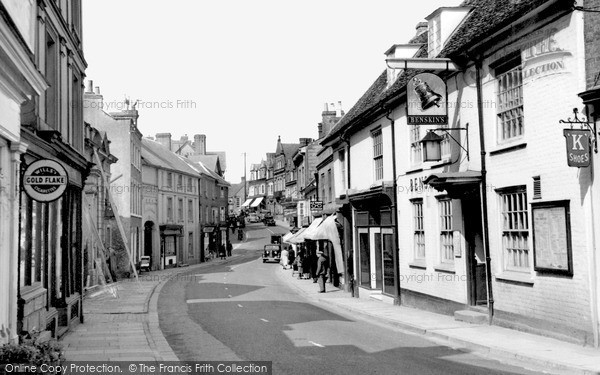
{"x":322,"y":270}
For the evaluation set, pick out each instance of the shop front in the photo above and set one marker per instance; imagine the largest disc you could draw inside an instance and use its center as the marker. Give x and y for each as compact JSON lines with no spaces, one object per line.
{"x":374,"y":253}
{"x":171,"y":245}
{"x":50,"y":261}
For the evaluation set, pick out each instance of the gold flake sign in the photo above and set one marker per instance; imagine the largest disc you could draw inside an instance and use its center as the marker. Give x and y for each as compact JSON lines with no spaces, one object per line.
{"x":45,"y":180}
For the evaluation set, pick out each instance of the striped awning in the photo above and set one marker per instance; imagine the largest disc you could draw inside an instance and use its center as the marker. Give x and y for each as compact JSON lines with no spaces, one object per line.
{"x":247,"y":202}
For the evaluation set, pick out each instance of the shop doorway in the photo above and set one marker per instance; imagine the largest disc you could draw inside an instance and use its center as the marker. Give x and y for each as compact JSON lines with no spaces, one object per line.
{"x":376,"y":259}
{"x":471,"y":209}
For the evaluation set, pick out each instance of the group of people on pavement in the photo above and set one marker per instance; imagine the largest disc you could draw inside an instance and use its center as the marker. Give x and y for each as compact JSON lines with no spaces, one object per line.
{"x":308,"y":267}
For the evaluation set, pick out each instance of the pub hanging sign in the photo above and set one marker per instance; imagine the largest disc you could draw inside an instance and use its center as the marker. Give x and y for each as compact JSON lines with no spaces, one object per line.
{"x":45,"y":180}
{"x":578,"y":147}
{"x":426,"y":100}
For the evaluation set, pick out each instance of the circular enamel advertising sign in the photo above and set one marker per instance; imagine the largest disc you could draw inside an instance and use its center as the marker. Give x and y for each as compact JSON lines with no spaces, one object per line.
{"x":45,"y":180}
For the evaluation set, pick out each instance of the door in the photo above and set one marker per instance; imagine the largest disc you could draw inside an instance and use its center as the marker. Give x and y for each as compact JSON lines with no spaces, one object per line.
{"x":475,"y":253}
{"x":364,"y":257}
{"x":387,"y":259}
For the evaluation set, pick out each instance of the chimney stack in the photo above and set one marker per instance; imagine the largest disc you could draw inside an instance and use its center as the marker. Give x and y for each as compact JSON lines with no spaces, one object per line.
{"x":89,"y":88}
{"x":199,"y":144}
{"x":164,"y":139}
{"x":421,"y":28}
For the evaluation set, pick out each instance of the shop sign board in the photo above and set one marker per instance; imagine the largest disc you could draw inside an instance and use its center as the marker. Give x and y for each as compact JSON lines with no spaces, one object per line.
{"x":316,"y":205}
{"x":45,"y":180}
{"x":578,"y":147}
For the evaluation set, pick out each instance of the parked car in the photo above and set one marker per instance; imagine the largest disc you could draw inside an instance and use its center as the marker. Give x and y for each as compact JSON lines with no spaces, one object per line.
{"x":145,"y":263}
{"x":272,"y":253}
{"x":270,"y":222}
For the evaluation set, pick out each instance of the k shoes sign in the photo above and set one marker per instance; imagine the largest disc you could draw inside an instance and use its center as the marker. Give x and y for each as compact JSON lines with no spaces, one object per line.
{"x":45,"y":180}
{"x":578,"y":147}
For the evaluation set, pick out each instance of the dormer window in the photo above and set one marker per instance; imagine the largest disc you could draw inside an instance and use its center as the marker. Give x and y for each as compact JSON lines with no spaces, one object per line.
{"x":434,"y":37}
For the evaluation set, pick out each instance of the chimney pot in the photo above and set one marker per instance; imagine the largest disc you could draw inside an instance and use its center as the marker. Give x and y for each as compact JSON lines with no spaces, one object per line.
{"x":97,"y":90}
{"x":89,"y":88}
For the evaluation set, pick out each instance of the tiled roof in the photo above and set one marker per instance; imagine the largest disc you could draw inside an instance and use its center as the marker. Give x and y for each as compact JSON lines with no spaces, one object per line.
{"x":156,"y":154}
{"x":487,"y":17}
{"x":289,"y":148}
{"x":208,"y":160}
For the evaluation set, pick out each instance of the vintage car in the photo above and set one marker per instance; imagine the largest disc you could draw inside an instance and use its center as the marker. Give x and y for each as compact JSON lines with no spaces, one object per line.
{"x":270,"y":222}
{"x":145,"y":263}
{"x":272,"y":253}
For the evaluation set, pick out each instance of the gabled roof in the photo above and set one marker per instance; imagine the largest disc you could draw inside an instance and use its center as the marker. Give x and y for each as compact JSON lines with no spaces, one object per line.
{"x":204,"y":170}
{"x":210,"y":161}
{"x":157,"y":155}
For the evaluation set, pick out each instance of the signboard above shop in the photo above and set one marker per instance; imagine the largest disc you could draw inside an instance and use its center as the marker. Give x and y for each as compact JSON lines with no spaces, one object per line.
{"x":578,"y":147}
{"x":426,"y":100}
{"x":45,"y":180}
{"x":316,"y":206}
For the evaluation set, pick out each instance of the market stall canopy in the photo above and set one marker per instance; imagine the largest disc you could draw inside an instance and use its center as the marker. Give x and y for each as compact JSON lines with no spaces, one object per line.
{"x":256,"y":202}
{"x":328,"y":231}
{"x":247,"y":202}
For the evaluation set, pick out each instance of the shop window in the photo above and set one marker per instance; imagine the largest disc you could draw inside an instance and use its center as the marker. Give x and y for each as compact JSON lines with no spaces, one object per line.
{"x":446,"y":231}
{"x":515,"y":229}
{"x":365,"y":259}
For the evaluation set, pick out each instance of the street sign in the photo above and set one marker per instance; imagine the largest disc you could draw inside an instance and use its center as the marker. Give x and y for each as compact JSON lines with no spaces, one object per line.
{"x":578,"y":147}
{"x":45,"y":180}
{"x":316,"y":205}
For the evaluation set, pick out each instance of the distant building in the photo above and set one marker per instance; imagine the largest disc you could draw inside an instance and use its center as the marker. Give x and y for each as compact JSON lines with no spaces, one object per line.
{"x":126,"y":145}
{"x":195,"y":151}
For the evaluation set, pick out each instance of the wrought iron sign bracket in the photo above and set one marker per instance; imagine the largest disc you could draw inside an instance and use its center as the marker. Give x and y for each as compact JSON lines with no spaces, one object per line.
{"x":584,"y":123}
{"x":447,"y":130}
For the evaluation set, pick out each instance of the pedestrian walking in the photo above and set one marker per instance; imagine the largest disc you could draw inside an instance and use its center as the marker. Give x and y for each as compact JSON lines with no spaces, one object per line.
{"x":229,"y":248}
{"x":300,"y":263}
{"x":222,"y":252}
{"x":285,"y":259}
{"x":322,"y":270}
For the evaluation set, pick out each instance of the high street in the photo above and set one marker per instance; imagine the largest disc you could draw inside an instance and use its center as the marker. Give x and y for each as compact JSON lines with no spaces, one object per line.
{"x":241,"y":310}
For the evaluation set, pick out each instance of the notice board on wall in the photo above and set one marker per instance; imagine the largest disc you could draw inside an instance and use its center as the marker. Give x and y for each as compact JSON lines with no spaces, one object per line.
{"x":552,"y":251}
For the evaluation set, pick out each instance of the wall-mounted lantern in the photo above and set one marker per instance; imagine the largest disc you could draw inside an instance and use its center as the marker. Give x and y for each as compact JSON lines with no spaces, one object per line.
{"x":432,"y":143}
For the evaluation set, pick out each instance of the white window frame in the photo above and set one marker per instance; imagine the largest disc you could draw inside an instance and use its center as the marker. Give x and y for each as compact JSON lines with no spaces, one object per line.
{"x":377,"y":139}
{"x":514,"y":212}
{"x":419,"y":230}
{"x":510,"y":104}
{"x":446,"y":230}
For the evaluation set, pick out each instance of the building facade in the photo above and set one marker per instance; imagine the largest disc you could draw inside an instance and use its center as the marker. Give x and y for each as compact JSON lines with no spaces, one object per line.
{"x":50,"y":287}
{"x":18,"y":38}
{"x":171,"y":204}
{"x":125,"y":189}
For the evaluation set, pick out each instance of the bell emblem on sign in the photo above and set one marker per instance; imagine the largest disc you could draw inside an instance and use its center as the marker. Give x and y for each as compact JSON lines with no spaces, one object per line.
{"x":427,"y":96}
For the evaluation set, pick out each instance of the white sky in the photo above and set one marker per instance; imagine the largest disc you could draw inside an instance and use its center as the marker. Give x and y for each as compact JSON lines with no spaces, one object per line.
{"x":254,"y":69}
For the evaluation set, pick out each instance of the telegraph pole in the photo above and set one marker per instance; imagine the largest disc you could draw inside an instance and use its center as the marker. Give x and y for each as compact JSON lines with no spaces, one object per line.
{"x":245,"y":182}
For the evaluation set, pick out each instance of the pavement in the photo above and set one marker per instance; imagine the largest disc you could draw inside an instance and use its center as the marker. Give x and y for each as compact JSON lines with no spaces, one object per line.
{"x":121,"y":323}
{"x":505,"y":344}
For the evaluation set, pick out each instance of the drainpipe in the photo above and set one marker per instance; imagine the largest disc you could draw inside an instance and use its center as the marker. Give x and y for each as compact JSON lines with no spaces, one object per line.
{"x":353,"y":286}
{"x":483,"y":193}
{"x":395,"y":211}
